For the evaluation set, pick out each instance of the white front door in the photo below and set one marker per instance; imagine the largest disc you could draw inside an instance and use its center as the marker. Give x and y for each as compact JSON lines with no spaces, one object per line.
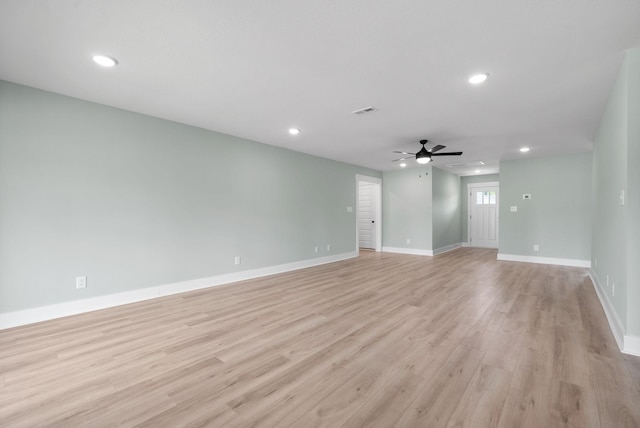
{"x":483,"y":216}
{"x":366,"y":216}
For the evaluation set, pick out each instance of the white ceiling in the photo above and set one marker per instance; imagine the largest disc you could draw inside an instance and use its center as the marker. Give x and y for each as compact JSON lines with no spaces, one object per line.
{"x":254,"y":68}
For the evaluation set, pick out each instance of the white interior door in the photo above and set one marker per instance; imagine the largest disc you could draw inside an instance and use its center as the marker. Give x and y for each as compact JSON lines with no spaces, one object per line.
{"x":483,"y":216}
{"x":366,"y":216}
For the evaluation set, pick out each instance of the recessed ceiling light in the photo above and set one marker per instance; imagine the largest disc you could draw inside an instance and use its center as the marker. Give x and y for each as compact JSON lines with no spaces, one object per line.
{"x":524,"y":149}
{"x":105,"y":60}
{"x":477,"y":171}
{"x":294,"y":131}
{"x":478,"y":78}
{"x":402,"y":165}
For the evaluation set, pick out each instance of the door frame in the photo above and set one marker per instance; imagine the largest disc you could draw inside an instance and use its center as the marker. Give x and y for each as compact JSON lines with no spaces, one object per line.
{"x":377,"y":189}
{"x":470,"y":187}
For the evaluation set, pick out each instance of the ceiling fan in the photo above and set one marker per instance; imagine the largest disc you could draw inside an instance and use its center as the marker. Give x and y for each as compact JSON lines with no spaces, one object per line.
{"x":424,"y":155}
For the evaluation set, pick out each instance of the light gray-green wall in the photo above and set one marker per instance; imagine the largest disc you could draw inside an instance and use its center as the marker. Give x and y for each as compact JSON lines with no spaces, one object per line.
{"x":446,"y":208}
{"x":610,"y":178}
{"x":616,"y":164}
{"x":464,"y":199}
{"x":558,"y":215}
{"x":633,"y":194}
{"x":133,"y":201}
{"x":406,"y":208}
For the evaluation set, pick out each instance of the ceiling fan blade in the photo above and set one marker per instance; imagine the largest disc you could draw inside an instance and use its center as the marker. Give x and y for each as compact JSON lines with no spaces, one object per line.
{"x":436,"y":148}
{"x":447,"y":154}
{"x":403,"y":153}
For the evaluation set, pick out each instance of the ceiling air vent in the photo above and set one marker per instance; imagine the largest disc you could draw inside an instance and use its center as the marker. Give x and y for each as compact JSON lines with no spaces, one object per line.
{"x":369,"y":109}
{"x":465,"y":164}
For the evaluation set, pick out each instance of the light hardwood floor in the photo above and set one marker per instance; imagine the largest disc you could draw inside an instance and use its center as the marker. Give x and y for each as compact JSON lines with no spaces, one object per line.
{"x":383,"y":340}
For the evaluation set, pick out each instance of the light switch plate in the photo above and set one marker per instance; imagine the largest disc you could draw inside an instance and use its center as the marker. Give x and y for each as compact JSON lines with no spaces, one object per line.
{"x":514,"y":209}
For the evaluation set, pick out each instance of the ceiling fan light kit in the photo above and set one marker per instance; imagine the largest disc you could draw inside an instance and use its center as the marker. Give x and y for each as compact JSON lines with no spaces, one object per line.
{"x":423,"y":156}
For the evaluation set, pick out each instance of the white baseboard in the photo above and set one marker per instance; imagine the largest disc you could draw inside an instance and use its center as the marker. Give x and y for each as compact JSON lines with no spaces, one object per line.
{"x":616,"y":325}
{"x":545,"y":260}
{"x":632,"y":345}
{"x":628,"y":344}
{"x":44,"y":313}
{"x":447,"y":248}
{"x":420,"y":252}
{"x":413,"y":251}
{"x":465,"y":244}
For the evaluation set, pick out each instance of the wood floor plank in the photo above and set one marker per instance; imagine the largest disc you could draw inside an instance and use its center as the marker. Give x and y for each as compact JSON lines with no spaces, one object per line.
{"x":483,"y":401}
{"x":618,"y":402}
{"x":438,"y":399}
{"x":528,"y":402}
{"x":385,"y":407}
{"x":573,"y":406}
{"x":460,"y":340}
{"x":570,"y":362}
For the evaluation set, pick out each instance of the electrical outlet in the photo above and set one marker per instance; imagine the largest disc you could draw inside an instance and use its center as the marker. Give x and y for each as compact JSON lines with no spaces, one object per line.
{"x":514,"y":208}
{"x":237,"y":260}
{"x":328,"y":248}
{"x":536,"y":247}
{"x":316,"y":249}
{"x":408,"y":241}
{"x":81,"y":282}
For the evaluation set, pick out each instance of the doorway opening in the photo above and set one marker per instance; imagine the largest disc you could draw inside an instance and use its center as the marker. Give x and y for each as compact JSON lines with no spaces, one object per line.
{"x":368,"y":213}
{"x":483,"y":214}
